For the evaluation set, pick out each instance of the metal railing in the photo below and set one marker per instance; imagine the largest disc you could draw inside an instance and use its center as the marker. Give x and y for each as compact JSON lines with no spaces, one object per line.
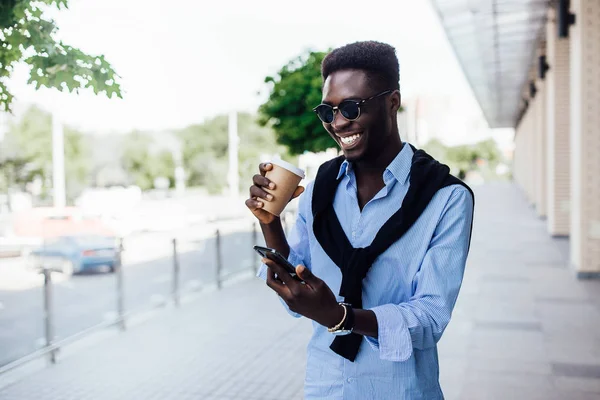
{"x":52,"y":347}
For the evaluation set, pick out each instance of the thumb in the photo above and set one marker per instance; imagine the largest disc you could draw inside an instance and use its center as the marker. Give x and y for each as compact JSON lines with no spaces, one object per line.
{"x":299,"y":190}
{"x":305,"y":274}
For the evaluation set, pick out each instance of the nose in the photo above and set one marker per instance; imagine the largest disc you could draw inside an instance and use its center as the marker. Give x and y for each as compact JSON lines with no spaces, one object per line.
{"x":339,"y":122}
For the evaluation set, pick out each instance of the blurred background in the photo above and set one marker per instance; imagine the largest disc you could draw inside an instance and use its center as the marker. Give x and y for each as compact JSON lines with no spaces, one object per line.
{"x":130,"y":130}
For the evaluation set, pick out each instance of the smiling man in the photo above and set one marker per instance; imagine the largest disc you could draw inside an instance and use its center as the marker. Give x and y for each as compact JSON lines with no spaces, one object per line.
{"x":381,"y":241}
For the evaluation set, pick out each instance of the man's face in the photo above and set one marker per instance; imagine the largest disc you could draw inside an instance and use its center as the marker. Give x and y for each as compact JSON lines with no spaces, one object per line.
{"x":365,"y":137}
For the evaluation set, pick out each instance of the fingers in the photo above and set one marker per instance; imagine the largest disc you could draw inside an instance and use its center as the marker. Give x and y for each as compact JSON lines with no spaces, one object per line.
{"x":264,"y":168}
{"x":262,"y":182}
{"x":282,"y":274}
{"x":307,"y":276}
{"x":272,"y":281}
{"x":276,"y":284}
{"x":254,"y":204}
{"x":259,"y":193}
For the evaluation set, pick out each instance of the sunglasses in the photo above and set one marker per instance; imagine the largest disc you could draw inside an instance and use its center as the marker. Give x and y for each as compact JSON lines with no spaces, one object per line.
{"x":350,"y":109}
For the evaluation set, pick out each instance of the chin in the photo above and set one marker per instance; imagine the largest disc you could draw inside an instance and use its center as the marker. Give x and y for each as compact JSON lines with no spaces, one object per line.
{"x":354,"y":155}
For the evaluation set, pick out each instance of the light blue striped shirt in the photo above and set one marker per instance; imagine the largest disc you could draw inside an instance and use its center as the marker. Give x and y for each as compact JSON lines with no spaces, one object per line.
{"x":412,"y":288}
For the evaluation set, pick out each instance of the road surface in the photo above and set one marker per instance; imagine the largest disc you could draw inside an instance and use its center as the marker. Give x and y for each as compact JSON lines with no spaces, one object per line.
{"x":83,"y":301}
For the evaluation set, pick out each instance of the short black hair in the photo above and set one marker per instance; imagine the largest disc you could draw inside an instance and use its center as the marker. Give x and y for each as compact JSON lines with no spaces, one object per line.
{"x":378,"y":59}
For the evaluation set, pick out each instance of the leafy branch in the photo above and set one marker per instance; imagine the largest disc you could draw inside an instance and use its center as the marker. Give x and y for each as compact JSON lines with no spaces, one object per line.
{"x":27,"y":35}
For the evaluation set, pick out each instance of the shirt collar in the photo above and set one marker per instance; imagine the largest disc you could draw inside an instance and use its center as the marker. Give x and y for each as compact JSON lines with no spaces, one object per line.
{"x":399,"y":167}
{"x":345,"y":169}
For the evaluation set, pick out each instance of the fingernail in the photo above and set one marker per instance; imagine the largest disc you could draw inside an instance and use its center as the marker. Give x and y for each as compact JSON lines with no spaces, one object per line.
{"x":259,"y":205}
{"x":267,"y":165}
{"x":271,"y":185}
{"x":269,"y":197}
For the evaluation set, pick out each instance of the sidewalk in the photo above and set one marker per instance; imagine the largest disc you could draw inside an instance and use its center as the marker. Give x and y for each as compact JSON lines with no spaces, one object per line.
{"x":523,"y":328}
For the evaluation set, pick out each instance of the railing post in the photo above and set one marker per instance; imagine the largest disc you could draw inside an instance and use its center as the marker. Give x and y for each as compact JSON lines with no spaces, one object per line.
{"x":120,"y":294}
{"x":48,"y":316}
{"x":175,"y":274}
{"x":219,"y":259}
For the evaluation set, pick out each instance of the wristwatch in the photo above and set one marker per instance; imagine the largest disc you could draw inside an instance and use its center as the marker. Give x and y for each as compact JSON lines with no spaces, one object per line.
{"x":346,"y":325}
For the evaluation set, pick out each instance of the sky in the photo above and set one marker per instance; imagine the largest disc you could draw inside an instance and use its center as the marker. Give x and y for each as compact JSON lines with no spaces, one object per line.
{"x":183,"y":61}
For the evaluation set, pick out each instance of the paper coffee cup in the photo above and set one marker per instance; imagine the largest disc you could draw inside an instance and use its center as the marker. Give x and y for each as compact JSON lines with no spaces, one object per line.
{"x":286,"y":178}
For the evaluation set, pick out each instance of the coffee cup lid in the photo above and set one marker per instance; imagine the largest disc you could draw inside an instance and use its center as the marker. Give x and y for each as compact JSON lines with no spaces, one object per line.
{"x":289,"y":167}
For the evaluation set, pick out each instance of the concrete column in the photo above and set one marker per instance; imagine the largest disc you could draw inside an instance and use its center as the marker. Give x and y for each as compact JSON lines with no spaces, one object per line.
{"x":585,"y":138}
{"x":532,"y":155}
{"x":540,"y":149}
{"x":524,"y":154}
{"x":517,"y":165}
{"x":540,"y":144}
{"x":558,"y":139}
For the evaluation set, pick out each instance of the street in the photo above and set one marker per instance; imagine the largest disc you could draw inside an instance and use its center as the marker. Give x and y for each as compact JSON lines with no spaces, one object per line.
{"x":83,"y":301}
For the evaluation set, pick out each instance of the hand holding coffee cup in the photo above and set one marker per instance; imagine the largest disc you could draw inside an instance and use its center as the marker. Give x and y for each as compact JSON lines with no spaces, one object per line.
{"x":273,"y":189}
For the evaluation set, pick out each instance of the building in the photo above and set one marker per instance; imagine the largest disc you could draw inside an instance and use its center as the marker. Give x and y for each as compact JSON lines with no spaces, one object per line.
{"x":535,"y":66}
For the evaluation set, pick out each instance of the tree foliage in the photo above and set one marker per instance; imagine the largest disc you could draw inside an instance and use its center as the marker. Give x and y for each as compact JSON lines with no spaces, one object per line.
{"x":28,"y":35}
{"x":294,"y":92}
{"x":143,"y":162}
{"x":27,"y":152}
{"x":205,"y":150}
{"x":464,"y":158}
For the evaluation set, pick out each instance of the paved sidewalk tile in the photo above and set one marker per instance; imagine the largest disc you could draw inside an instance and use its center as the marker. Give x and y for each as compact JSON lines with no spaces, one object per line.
{"x":237,"y":343}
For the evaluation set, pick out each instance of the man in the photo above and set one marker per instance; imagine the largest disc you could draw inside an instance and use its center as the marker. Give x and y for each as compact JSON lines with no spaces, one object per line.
{"x":381,"y":242}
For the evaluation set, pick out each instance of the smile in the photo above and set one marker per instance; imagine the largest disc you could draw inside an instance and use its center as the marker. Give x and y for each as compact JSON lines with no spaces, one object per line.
{"x":348,"y":141}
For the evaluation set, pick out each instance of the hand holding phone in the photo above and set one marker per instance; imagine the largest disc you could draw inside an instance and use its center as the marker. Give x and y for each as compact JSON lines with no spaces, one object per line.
{"x":277,"y":257}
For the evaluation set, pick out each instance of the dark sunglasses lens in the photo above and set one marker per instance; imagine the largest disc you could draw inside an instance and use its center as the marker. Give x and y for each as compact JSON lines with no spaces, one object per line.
{"x":349,"y":110}
{"x":325,"y":113}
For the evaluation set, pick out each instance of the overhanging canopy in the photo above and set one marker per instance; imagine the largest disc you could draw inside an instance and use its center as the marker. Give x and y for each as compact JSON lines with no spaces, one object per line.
{"x":495,"y":43}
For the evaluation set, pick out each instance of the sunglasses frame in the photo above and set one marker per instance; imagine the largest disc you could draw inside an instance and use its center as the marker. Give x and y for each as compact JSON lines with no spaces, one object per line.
{"x":358,"y":103}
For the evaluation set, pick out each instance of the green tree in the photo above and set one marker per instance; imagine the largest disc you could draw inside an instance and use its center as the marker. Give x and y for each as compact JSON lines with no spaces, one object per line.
{"x":28,"y":35}
{"x":482,"y":156}
{"x":144,"y":161}
{"x":488,"y":150}
{"x":256,"y":141}
{"x":16,"y":173}
{"x":163,"y":165}
{"x":294,"y":92}
{"x":136,"y":159}
{"x":205,"y":150}
{"x":29,"y":144}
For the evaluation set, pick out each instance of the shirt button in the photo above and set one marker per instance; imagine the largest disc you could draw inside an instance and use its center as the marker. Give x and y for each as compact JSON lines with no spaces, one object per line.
{"x":349,"y":380}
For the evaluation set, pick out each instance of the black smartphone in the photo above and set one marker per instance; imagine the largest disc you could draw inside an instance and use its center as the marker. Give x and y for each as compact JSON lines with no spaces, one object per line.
{"x":276,"y":256}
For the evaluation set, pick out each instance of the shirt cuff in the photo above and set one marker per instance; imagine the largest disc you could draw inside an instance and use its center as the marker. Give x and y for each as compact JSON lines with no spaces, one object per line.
{"x":394,"y":342}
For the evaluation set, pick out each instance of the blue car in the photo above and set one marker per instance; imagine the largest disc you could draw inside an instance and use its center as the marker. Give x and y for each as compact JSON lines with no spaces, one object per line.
{"x":77,"y":254}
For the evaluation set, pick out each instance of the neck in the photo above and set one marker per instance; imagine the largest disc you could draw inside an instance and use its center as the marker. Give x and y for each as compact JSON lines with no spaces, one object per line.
{"x":375,"y":165}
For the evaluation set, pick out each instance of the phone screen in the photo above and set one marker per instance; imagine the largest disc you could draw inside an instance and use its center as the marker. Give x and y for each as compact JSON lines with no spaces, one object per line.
{"x":276,"y":256}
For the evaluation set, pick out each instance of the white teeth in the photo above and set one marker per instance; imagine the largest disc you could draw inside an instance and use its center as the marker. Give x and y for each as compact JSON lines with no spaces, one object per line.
{"x":350,"y":139}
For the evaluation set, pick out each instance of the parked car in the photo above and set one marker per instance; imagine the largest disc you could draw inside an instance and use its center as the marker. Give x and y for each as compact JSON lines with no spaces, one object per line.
{"x":49,"y":222}
{"x":30,"y":228}
{"x":76,"y":253}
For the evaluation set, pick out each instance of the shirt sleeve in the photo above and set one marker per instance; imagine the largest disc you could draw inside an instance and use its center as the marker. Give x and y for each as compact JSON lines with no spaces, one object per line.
{"x":420,"y":322}
{"x":297,"y":240}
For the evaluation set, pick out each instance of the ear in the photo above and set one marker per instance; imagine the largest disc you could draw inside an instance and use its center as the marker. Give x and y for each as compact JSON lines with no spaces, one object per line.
{"x":396,"y":100}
